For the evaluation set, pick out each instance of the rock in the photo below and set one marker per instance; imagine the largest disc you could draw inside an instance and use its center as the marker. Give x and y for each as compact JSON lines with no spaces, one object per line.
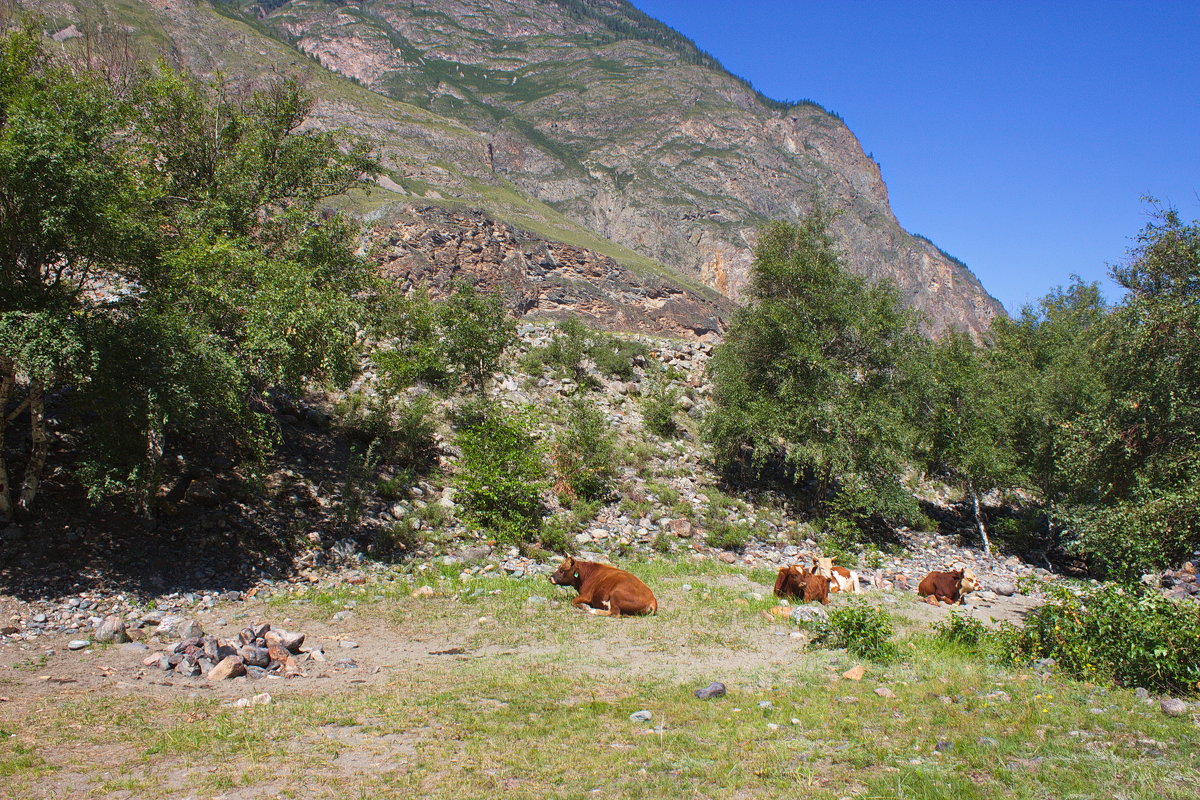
{"x":806,"y":614}
{"x":254,"y":656}
{"x":848,"y":699}
{"x":854,"y":673}
{"x":291,"y":669}
{"x":1173,"y":707}
{"x":423,"y":591}
{"x":229,"y":667}
{"x":987,"y":741}
{"x":943,"y":746}
{"x":9,"y":630}
{"x":1142,"y":694}
{"x":727,"y":557}
{"x":187,"y":629}
{"x":78,"y":644}
{"x":291,"y":641}
{"x":262,"y":699}
{"x":188,"y":668}
{"x":640,"y":716}
{"x":714,"y":689}
{"x":1004,"y":588}
{"x":885,"y":692}
{"x":765,"y":704}
{"x":168,"y":625}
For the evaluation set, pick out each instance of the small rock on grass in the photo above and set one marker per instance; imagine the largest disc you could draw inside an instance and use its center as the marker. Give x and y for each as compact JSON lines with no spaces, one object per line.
{"x":987,"y":741}
{"x":943,"y":746}
{"x":715,"y":689}
{"x":883,"y":691}
{"x":1173,"y":707}
{"x":854,"y":673}
{"x":78,"y":644}
{"x":640,"y":716}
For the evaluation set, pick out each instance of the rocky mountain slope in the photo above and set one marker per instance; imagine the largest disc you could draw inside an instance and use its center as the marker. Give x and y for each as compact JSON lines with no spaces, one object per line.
{"x":624,"y":126}
{"x":583,"y":123}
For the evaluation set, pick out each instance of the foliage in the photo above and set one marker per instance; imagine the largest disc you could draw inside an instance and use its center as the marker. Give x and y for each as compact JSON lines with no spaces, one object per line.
{"x":184,"y":266}
{"x":502,"y":475}
{"x":574,"y":344}
{"x":810,"y":378}
{"x":584,"y":452}
{"x":414,"y":353}
{"x":1125,"y":634}
{"x":476,"y":331}
{"x":659,"y":405}
{"x":402,"y":431}
{"x":863,"y":630}
{"x":958,"y":628}
{"x":723,"y":535}
{"x":963,"y":422}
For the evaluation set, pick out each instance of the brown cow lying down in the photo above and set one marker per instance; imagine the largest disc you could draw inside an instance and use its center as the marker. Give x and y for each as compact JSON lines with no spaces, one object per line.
{"x":840,"y":578}
{"x":947,"y":587}
{"x":605,"y":590}
{"x":801,"y":584}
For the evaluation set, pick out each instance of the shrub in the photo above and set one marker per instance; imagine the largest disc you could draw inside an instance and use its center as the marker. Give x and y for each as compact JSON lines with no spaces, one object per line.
{"x":658,"y":410}
{"x":584,"y":453}
{"x":398,"y":432}
{"x":863,"y":630}
{"x":960,"y":629}
{"x":574,"y":343}
{"x":400,"y":538}
{"x":502,"y":476}
{"x":1129,"y":635}
{"x":476,"y":330}
{"x":728,"y":536}
{"x":615,"y":357}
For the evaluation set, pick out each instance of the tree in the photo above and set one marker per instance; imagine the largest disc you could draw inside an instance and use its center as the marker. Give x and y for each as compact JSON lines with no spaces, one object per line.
{"x":963,"y":422}
{"x":811,"y":374}
{"x":164,"y":254}
{"x":1132,"y":460}
{"x":476,"y":330}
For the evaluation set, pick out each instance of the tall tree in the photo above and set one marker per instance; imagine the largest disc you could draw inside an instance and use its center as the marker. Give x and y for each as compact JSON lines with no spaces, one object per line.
{"x":810,"y":375}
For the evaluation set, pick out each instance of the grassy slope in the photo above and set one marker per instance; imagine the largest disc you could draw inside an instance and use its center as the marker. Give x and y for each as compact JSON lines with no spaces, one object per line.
{"x":539,"y":703}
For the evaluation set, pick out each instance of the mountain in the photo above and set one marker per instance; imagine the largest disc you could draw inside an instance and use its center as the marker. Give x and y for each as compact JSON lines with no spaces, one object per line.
{"x":580,"y":122}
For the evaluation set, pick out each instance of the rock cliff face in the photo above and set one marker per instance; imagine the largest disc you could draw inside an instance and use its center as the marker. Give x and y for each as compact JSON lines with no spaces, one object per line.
{"x":582,"y":124}
{"x":431,"y":246}
{"x":624,"y":126}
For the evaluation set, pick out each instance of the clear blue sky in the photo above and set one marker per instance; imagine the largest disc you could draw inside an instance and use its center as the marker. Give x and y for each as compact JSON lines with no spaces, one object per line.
{"x":1018,"y":136}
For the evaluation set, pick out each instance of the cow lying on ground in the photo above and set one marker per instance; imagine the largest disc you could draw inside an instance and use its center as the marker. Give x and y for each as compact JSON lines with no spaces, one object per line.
{"x":800,"y":583}
{"x":947,"y":587}
{"x":605,"y":590}
{"x":840,"y":578}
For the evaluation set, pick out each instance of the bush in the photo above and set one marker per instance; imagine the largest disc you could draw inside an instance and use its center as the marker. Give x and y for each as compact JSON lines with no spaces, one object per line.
{"x":864,"y":631}
{"x":728,"y":536}
{"x":399,"y":539}
{"x":502,"y":476}
{"x":1131,"y":636}
{"x":574,"y":343}
{"x":961,"y":629}
{"x":585,"y":458}
{"x":398,"y":432}
{"x":658,"y":410}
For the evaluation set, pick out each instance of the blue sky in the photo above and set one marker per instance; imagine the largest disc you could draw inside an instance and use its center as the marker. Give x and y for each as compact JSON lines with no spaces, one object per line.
{"x":1018,"y":136}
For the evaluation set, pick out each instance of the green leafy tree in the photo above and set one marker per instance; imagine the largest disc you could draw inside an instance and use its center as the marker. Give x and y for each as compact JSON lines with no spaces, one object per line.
{"x":476,"y":331}
{"x":502,"y":475}
{"x":183,"y":268}
{"x":963,"y":422}
{"x":811,"y":374}
{"x":1132,"y":461}
{"x":585,"y":452}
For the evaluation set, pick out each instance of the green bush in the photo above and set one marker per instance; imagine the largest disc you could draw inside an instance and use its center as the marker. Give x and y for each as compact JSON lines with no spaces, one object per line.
{"x":398,"y":432}
{"x":864,"y":631}
{"x":574,"y":343}
{"x":399,"y":539}
{"x":728,"y":536}
{"x":961,"y":629}
{"x":1129,"y":635}
{"x":614,"y":356}
{"x":585,"y":453}
{"x":658,"y":410}
{"x":502,"y":476}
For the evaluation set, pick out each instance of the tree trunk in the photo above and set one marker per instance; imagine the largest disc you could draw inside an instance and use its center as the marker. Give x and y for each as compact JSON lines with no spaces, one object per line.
{"x":987,"y":546}
{"x":7,"y":380}
{"x":41,"y":444}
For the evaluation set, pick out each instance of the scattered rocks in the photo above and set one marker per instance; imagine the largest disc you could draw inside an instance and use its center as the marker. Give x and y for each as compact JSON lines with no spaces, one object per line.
{"x":715,"y":689}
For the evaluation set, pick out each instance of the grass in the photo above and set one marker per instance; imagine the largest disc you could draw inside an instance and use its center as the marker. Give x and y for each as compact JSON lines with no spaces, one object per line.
{"x":538,"y":706}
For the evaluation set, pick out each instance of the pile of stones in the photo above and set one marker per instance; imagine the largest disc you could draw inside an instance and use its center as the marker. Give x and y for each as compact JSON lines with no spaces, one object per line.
{"x":259,"y":651}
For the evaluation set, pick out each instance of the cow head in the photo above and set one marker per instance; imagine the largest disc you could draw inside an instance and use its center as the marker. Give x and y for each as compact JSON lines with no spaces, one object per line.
{"x":969,"y":582}
{"x":567,"y":573}
{"x":823,"y":566}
